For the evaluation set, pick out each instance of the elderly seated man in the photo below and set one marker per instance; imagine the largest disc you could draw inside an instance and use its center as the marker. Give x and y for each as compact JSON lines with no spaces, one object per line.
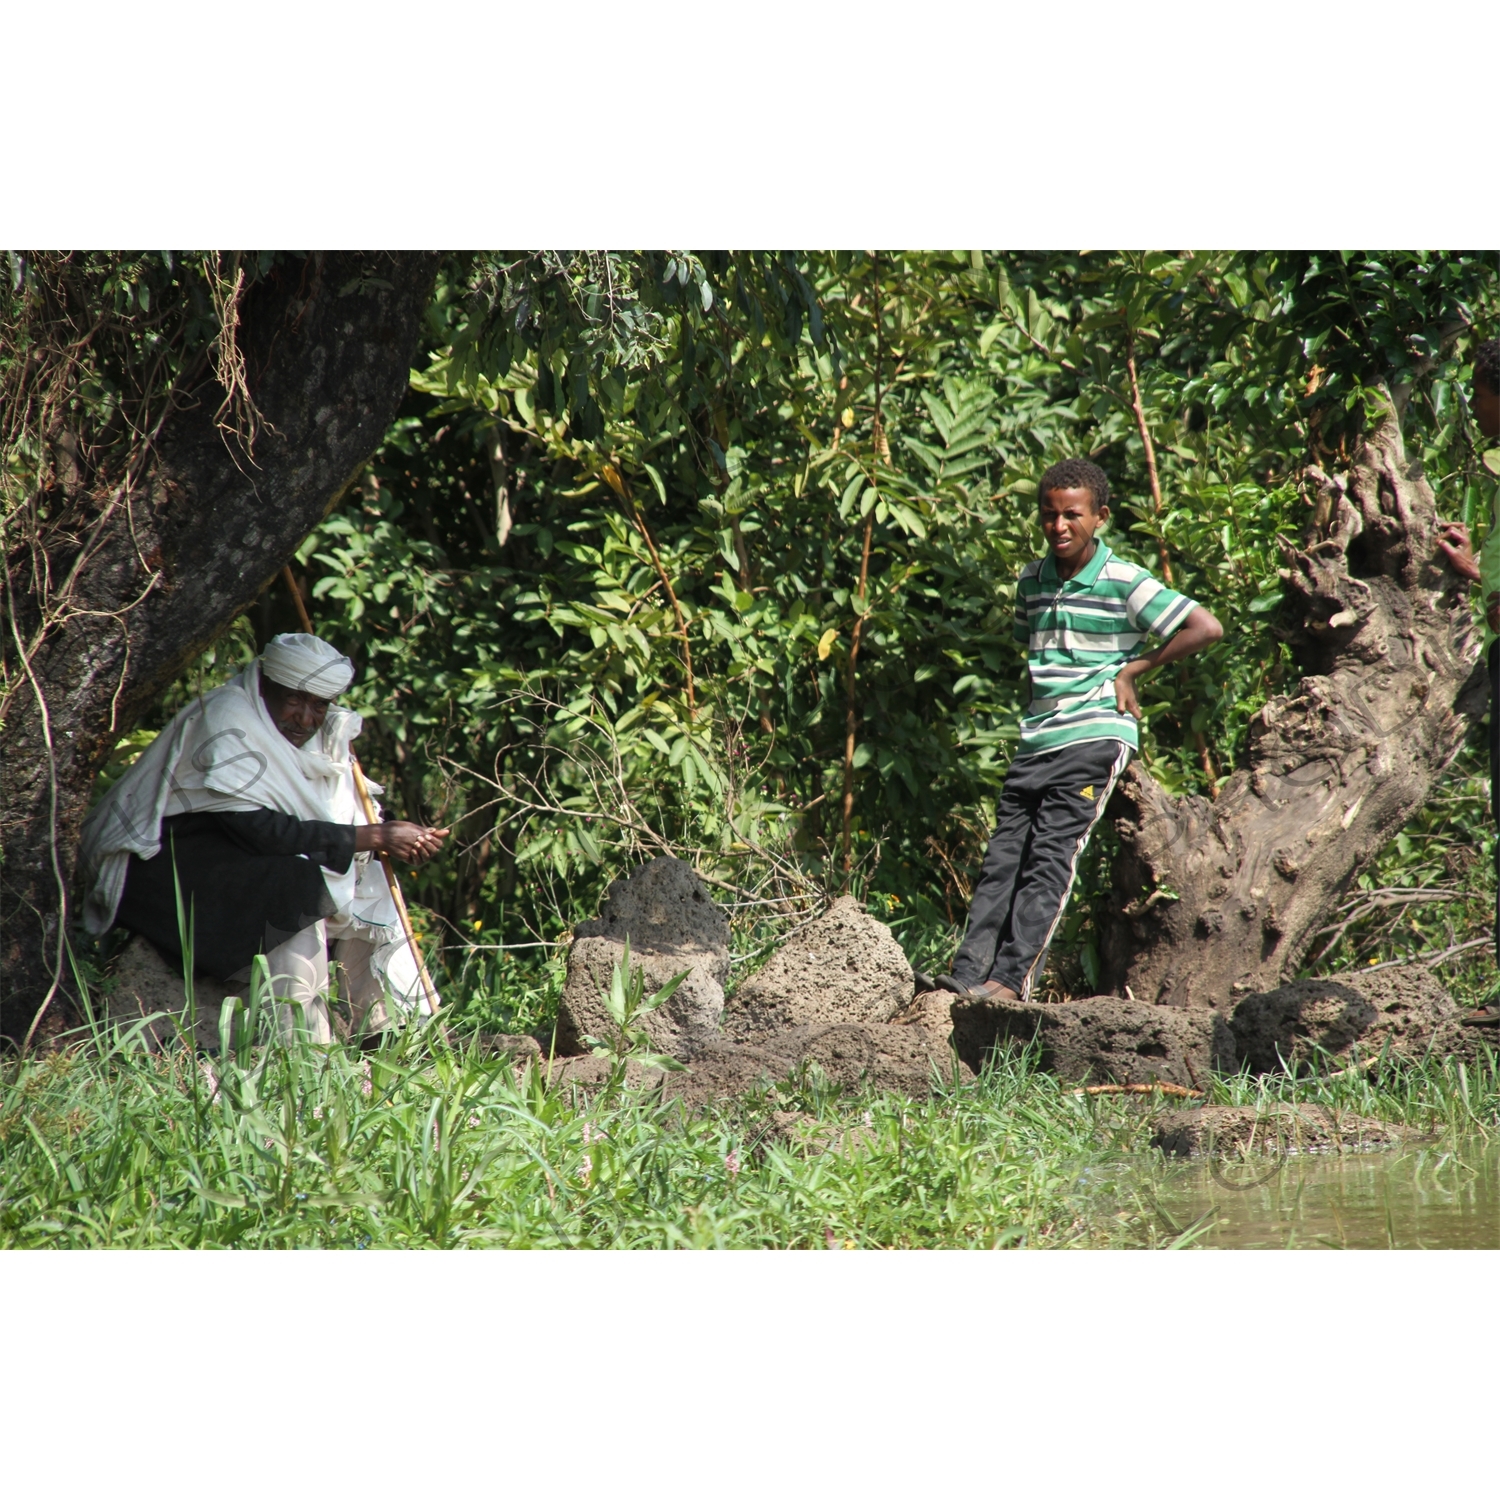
{"x":246,"y":802}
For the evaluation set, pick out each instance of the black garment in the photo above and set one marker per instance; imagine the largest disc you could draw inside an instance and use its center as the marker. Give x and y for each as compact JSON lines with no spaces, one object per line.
{"x":243,"y":880}
{"x":1048,"y":808}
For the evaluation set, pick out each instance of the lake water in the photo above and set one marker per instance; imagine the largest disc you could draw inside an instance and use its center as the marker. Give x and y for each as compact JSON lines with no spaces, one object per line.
{"x":1438,"y":1197}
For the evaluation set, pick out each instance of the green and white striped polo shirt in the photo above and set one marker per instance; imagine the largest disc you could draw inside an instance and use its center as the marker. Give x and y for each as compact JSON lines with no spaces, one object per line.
{"x":1078,"y":633}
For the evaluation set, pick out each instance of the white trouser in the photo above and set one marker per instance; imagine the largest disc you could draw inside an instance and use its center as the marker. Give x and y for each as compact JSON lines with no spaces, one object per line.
{"x":370,"y":974}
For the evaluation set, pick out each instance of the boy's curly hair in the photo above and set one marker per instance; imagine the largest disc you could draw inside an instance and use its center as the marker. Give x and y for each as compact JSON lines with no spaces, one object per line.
{"x":1077,"y":474}
{"x":1487,"y":365}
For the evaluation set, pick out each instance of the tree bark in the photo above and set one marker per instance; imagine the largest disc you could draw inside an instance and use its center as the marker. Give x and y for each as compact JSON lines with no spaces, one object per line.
{"x":327,"y":349}
{"x":1213,"y":900}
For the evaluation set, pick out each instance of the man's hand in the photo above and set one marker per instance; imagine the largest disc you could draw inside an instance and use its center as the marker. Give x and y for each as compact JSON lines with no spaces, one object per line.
{"x":1454,"y":544}
{"x":412,"y":842}
{"x":1125,"y":699}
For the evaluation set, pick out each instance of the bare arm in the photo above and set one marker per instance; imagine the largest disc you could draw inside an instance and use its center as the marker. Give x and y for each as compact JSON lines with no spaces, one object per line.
{"x":1198,"y":630}
{"x":1455,"y":545}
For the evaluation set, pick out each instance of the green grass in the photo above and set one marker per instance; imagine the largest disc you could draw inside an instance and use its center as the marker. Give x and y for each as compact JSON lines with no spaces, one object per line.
{"x":431,"y":1144}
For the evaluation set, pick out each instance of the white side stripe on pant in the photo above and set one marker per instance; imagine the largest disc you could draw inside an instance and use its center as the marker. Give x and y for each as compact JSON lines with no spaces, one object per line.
{"x":1116,"y":771}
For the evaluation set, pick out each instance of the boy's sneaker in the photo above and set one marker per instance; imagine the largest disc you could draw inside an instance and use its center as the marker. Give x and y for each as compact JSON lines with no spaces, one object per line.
{"x":924,"y":983}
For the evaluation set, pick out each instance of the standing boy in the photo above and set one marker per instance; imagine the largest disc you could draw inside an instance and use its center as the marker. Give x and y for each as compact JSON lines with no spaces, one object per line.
{"x":1082,"y":614}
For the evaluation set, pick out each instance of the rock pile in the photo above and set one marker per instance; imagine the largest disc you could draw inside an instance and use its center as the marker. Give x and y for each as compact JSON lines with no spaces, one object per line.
{"x":837,"y":994}
{"x":673,"y":925}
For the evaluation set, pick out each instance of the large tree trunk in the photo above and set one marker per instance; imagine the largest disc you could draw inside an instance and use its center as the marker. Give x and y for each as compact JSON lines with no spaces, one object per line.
{"x":1213,"y":900}
{"x":327,"y":347}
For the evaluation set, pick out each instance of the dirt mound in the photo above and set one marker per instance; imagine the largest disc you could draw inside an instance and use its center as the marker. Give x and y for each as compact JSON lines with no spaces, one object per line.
{"x":141,"y":983}
{"x":1277,"y":1129}
{"x":1404,"y":1007}
{"x":902,"y":1059}
{"x":844,"y":967}
{"x":1103,"y":1040}
{"x":673,"y":925}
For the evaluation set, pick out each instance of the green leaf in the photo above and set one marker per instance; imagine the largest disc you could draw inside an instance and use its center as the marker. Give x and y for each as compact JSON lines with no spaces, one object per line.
{"x":658,"y":1060}
{"x":851,"y":490}
{"x":656,"y":480}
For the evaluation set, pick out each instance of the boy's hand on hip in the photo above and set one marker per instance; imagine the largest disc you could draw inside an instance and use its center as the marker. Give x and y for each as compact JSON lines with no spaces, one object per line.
{"x":1453,"y":542}
{"x":1125,"y":700}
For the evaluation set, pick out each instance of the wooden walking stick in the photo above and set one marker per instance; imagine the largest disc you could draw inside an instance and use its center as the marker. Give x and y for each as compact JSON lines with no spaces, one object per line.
{"x":395,"y":885}
{"x":369,"y":809}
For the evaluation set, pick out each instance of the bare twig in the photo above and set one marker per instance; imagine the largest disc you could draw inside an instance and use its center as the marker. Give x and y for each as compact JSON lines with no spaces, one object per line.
{"x":1366,"y":904}
{"x":62,"y":884}
{"x":1200,"y":740}
{"x":1171,"y":1090}
{"x":1145,"y":431}
{"x":1426,"y":960}
{"x":613,"y":478}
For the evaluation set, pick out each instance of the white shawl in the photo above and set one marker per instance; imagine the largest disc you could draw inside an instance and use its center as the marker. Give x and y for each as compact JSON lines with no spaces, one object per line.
{"x":224,"y":753}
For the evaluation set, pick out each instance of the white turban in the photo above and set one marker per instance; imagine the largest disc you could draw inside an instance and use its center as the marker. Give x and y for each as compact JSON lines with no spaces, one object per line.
{"x":307,"y":664}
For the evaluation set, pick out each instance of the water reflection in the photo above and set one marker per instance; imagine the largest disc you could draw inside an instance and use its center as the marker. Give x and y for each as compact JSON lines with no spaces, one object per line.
{"x":1439,"y":1197}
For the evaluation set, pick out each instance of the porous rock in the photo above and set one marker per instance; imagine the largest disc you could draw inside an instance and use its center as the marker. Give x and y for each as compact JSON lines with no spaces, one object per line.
{"x":1101,"y":1040}
{"x":845,"y":967}
{"x":1276,"y":1129}
{"x":141,"y":984}
{"x":1405,"y":1008}
{"x":931,"y":1011}
{"x":673,"y":925}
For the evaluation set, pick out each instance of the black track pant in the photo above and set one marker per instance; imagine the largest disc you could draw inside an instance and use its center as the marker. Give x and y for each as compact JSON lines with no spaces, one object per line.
{"x":1048,"y":808}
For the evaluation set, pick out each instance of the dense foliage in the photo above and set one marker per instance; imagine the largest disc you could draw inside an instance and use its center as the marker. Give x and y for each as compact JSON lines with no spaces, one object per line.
{"x":715,"y":552}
